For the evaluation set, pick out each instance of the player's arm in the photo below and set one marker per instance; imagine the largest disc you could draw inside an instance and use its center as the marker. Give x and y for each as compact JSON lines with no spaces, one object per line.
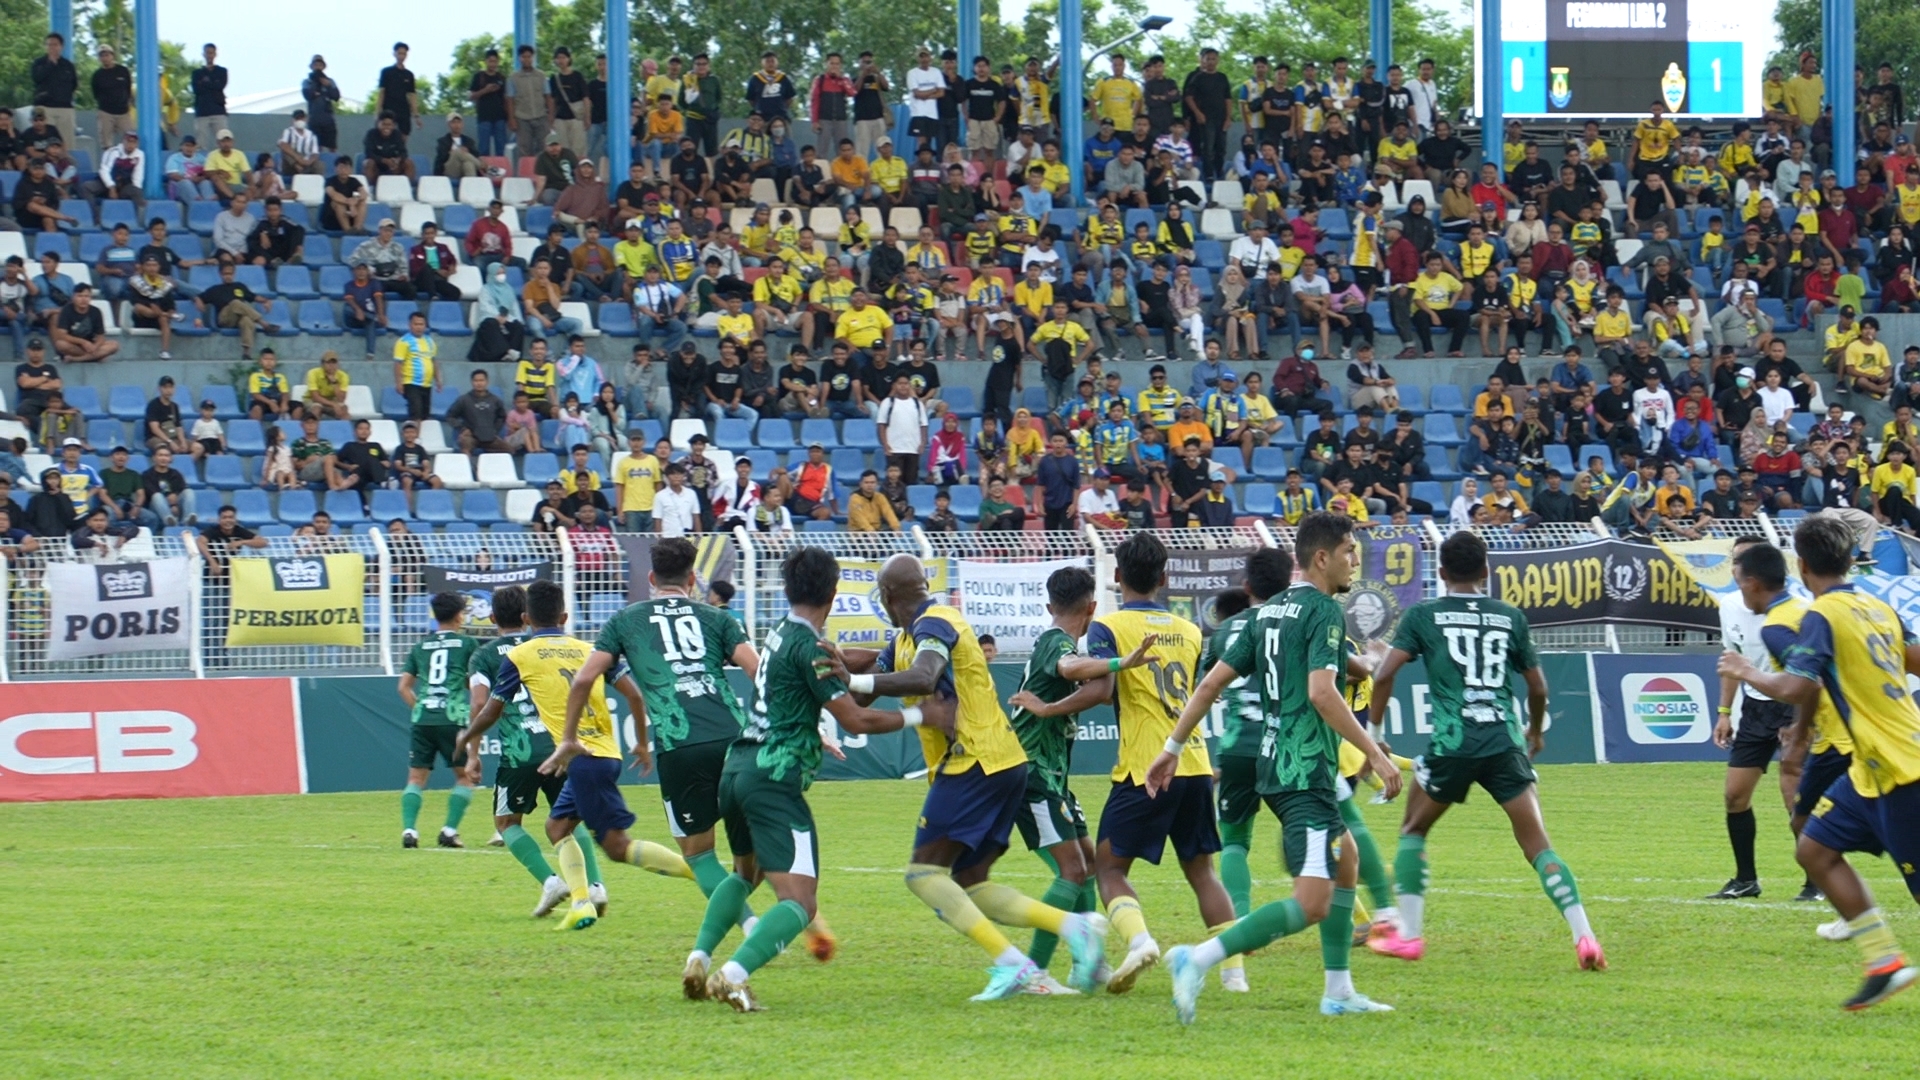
{"x":858,"y":719}
{"x":637,"y":705}
{"x":1084,"y":697}
{"x":406,"y":689}
{"x":1536,"y":710}
{"x":1798,"y":737}
{"x":1786,"y":686}
{"x":1081,"y":669}
{"x":746,"y":658}
{"x":1383,"y":676}
{"x":481,"y":720}
{"x":1323,"y":693}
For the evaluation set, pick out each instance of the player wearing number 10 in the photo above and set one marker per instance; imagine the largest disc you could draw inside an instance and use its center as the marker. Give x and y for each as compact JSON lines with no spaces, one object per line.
{"x":1471,"y":643}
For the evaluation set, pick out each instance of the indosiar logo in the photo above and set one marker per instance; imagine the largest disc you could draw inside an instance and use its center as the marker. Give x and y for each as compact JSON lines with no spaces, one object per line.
{"x":1666,"y":708}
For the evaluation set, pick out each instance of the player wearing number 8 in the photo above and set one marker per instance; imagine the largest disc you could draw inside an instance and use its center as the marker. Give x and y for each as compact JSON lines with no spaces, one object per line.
{"x":434,"y":686}
{"x":1472,"y":643}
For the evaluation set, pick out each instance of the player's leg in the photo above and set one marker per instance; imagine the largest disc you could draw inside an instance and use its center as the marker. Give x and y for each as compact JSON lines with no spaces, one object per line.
{"x":1373,"y":871}
{"x":737,"y":801}
{"x":1410,"y":877}
{"x":690,"y":792}
{"x":1842,"y":822}
{"x":411,"y":797}
{"x":1237,"y":803}
{"x":446,"y":742}
{"x":515,"y":789}
{"x":1046,"y":822}
{"x":562,"y":822}
{"x":1501,"y":777}
{"x":1132,"y":826}
{"x":1819,"y":773}
{"x":1195,"y":840}
{"x":1741,"y":831}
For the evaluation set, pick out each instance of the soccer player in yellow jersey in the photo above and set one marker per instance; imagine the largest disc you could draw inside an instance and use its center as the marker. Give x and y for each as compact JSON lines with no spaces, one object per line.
{"x":1859,"y":651}
{"x":1136,"y":823}
{"x":978,"y":783}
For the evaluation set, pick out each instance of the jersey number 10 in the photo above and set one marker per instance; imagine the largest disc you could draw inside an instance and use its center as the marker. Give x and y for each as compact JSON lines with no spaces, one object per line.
{"x":684,"y":630}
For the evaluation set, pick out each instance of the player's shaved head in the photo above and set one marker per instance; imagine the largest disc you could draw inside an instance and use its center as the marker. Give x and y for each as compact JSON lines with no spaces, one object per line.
{"x":1269,"y":572}
{"x":903,"y":587}
{"x":1825,"y":546}
{"x":510,"y":607}
{"x":1463,"y":558}
{"x":810,"y":577}
{"x":447,"y":606}
{"x":1762,"y":563}
{"x":546,"y":605}
{"x":673,"y":560}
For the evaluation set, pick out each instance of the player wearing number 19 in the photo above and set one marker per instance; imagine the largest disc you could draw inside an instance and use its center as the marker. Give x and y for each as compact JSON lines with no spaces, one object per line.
{"x":434,"y":685}
{"x":1471,"y":642}
{"x":1294,"y":652}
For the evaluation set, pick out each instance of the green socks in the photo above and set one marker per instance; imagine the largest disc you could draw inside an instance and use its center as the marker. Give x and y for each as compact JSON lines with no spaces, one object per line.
{"x":1235,"y":874}
{"x":710,"y":875}
{"x":723,"y":905}
{"x":457,"y":801}
{"x":526,"y":849}
{"x":1410,"y":880}
{"x":771,"y":935}
{"x":588,"y":855}
{"x":1089,"y":897}
{"x":1557,"y":881}
{"x":1062,"y":894}
{"x":410,"y":806}
{"x":1336,"y":931}
{"x":1267,"y":924}
{"x":1373,"y":873}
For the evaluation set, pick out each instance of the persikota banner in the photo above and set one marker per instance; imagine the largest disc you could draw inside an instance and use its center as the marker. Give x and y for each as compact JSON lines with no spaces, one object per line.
{"x":102,"y":609}
{"x":716,"y":560}
{"x":478,"y":585}
{"x":1602,"y":581}
{"x":298,"y":600}
{"x":1196,"y":578}
{"x":858,"y":619}
{"x":1008,"y":599}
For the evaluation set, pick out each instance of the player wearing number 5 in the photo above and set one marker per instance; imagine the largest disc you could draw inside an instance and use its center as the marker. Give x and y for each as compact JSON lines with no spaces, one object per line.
{"x":1472,"y":643}
{"x":1139,"y":821}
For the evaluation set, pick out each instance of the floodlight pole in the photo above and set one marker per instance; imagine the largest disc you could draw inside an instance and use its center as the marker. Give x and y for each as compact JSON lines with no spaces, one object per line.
{"x":1492,"y":86}
{"x":1072,"y":96}
{"x":1380,"y":35}
{"x":1837,"y":24}
{"x":146,"y":91}
{"x":619,"y":42}
{"x":60,"y":21}
{"x":524,"y":34}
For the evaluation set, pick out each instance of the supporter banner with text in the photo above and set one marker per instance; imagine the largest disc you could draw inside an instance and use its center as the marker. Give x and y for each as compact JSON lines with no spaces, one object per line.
{"x":1602,"y":581}
{"x":153,"y":739}
{"x":298,"y":600}
{"x":1008,"y":599}
{"x":102,"y":609}
{"x":1389,"y":582}
{"x":478,"y":585}
{"x":1195,"y":578}
{"x":858,"y":618}
{"x":1657,"y":707}
{"x":716,"y":560}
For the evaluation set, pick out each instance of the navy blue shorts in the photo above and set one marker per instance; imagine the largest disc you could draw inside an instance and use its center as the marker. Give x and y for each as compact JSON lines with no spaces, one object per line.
{"x":1817,"y":774}
{"x":1887,"y":825}
{"x":972,"y":808}
{"x":592,"y":795}
{"x":1137,"y":827}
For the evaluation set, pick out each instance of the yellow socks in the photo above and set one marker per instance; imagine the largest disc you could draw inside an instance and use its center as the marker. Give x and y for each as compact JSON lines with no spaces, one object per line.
{"x":1011,"y":907}
{"x":658,"y":859}
{"x":572,"y":865}
{"x":1874,"y":938}
{"x":1237,"y":960}
{"x":935,"y":887}
{"x":1124,"y":916}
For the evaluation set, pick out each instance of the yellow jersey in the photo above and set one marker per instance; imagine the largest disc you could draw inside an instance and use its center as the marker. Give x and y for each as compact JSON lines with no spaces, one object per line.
{"x":1117,"y":99}
{"x":863,"y":328}
{"x":982,"y":733}
{"x":1869,"y":357}
{"x":1854,"y":646}
{"x":319,"y":384}
{"x":1909,"y":197}
{"x":1161,"y":405}
{"x":638,"y":476}
{"x":536,"y":379}
{"x":1148,"y":699}
{"x":543,"y":665}
{"x":1778,"y":633}
{"x":1359,"y":699}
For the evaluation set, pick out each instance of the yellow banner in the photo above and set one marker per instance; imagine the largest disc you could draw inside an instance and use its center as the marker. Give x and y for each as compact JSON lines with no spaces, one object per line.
{"x":298,"y":600}
{"x":1710,"y":563}
{"x":858,"y":619}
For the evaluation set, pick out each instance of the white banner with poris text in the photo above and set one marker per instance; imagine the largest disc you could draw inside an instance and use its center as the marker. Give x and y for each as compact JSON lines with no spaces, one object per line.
{"x":103,"y":609}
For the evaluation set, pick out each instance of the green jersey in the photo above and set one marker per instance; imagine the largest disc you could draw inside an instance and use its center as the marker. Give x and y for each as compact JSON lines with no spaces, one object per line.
{"x":1243,"y":725}
{"x":524,"y":739}
{"x":678,"y":651}
{"x":789,"y":695}
{"x":439,"y":665}
{"x":1047,"y":741}
{"x":1473,"y":646}
{"x":1300,"y":631}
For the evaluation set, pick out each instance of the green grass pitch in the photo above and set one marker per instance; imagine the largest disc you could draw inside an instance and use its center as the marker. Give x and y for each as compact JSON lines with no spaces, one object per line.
{"x":293,"y":937}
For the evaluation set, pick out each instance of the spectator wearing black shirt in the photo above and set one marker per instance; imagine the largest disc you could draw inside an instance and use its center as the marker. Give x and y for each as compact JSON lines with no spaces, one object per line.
{"x":33,"y":381}
{"x":986,"y":108}
{"x":1721,"y":500}
{"x":1205,"y":95}
{"x":322,"y":95}
{"x":567,"y":106}
{"x":686,"y":383}
{"x":1532,"y":179}
{"x":1136,"y":509}
{"x":396,"y":94}
{"x":871,"y":116}
{"x":361,"y":465}
{"x":276,"y":240}
{"x":209,"y":85}
{"x":168,"y":497}
{"x":1324,"y":447}
{"x":1734,"y":408}
{"x":55,"y":81}
{"x":78,"y":331}
{"x":162,"y":426}
{"x":1159,"y":95}
{"x":1186,"y":481}
{"x":487,"y":90}
{"x":478,"y":416}
{"x":385,"y":147}
{"x":112,"y":84}
{"x":412,"y":465}
{"x":36,"y":200}
{"x":1351,"y":465}
{"x":1613,"y":412}
{"x":1563,"y":201}
{"x":1442,"y":151}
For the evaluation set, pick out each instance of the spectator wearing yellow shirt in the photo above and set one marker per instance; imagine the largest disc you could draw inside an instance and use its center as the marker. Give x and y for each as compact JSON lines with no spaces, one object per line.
{"x":1061,"y":345}
{"x":735,"y":324}
{"x":632,"y":255}
{"x":778,"y":300}
{"x":1399,"y":154}
{"x":862,"y":326}
{"x":1613,"y":328}
{"x":327,"y":389}
{"x":1867,"y":364}
{"x":226,"y":168}
{"x":1653,"y":140}
{"x":889,"y":174}
{"x":1433,"y":293}
{"x":1803,"y":96}
{"x":867,"y":509}
{"x":1894,"y":486}
{"x":636,"y":476}
{"x":1190,"y":425}
{"x":1116,"y":97}
{"x":1032,"y":297}
{"x":854,"y":181}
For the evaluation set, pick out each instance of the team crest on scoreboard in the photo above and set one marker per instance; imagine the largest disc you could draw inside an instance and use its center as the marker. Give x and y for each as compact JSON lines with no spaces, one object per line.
{"x":1559,"y":90}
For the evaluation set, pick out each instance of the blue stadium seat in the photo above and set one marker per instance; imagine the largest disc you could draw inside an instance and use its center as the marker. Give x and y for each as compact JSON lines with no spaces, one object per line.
{"x":318,"y":250}
{"x":225,"y":472}
{"x":1439,"y":463}
{"x":966,"y":501}
{"x":296,"y":506}
{"x":1412,"y":398}
{"x":435,"y":505}
{"x":538,"y":469}
{"x":1431,"y":491}
{"x":226,"y":402}
{"x":166,"y":210}
{"x":846,"y":461}
{"x":772,"y":434}
{"x":467,"y":528}
{"x":280,"y":315}
{"x":252,"y":507}
{"x":398,"y":315}
{"x":200,"y":215}
{"x":860,"y":434}
{"x":447,"y":319}
{"x":1270,"y":463}
{"x":294,"y":283}
{"x":393,"y":404}
{"x":57,"y":244}
{"x":337,"y":432}
{"x":274,"y":530}
{"x":458,"y":218}
{"x":104,"y":435}
{"x":811,"y":525}
{"x":1441,"y":430}
{"x":1558,"y":456}
{"x":185,"y":244}
{"x":316,"y":317}
{"x":818,"y":430}
{"x":960,"y":401}
{"x":334,"y":281}
{"x":616,"y":320}
{"x":650,"y":429}
{"x":345,"y":507}
{"x":389,"y":504}
{"x":481,"y":505}
{"x":1137,"y":216}
{"x":920,"y":497}
{"x":733,"y":434}
{"x":1034,"y":399}
{"x":1259,"y":498}
{"x":245,"y":436}
{"x":93,"y":245}
{"x":503,"y":528}
{"x":535,"y":220}
{"x":1447,"y":398}
{"x":87,"y":400}
{"x":764,"y":461}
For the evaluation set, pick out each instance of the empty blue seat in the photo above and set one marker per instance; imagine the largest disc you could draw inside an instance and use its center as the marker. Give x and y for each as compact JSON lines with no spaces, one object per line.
{"x":1447,"y":398}
{"x":376,"y":211}
{"x":1259,"y":498}
{"x":334,"y":281}
{"x":294,"y":283}
{"x":648,"y":429}
{"x":245,"y":436}
{"x":1559,"y":457}
{"x":481,"y":505}
{"x":318,"y":250}
{"x":226,"y":403}
{"x":337,"y":432}
{"x":1441,"y":430}
{"x":252,"y":507}
{"x":57,"y":244}
{"x":435,"y":505}
{"x":1431,"y":491}
{"x":764,"y":461}
{"x":316,"y":317}
{"x":224,"y":472}
{"x":536,"y":220}
{"x":538,"y":469}
{"x":200,"y":215}
{"x":920,"y":497}
{"x":458,"y":218}
{"x":185,"y":245}
{"x":861,"y":434}
{"x":104,"y":435}
{"x":1270,"y":462}
{"x":166,"y":210}
{"x":1439,"y":464}
{"x":280,"y":315}
{"x":393,"y":405}
{"x":297,"y":506}
{"x":447,"y":319}
{"x":463,"y":527}
{"x":734,"y":434}
{"x":87,"y":400}
{"x":345,"y":507}
{"x":847,"y":462}
{"x":616,"y":320}
{"x":1137,"y":216}
{"x":960,"y":401}
{"x":389,"y":504}
{"x":119,"y":212}
{"x":818,"y":430}
{"x":966,"y":501}
{"x":811,"y":525}
{"x":772,"y":434}
{"x":93,"y":245}
{"x":398,"y":316}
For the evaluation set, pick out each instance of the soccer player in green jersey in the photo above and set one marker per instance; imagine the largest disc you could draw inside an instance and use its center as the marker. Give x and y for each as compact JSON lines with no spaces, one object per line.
{"x":434,"y":686}
{"x":1294,"y":652}
{"x":764,"y":782}
{"x":1472,"y":644}
{"x":678,"y":649}
{"x":1046,"y":708}
{"x":524,"y":744}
